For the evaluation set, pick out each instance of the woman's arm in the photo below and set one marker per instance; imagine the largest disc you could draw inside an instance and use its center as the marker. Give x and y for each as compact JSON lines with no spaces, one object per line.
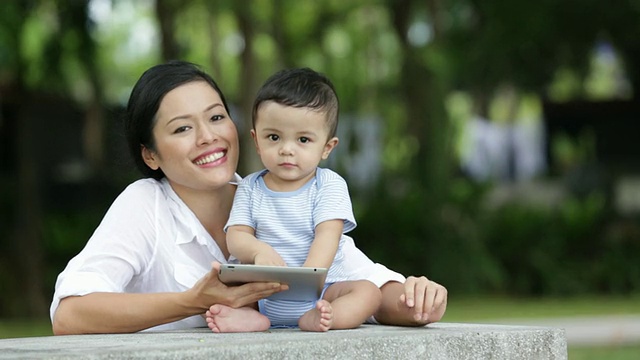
{"x":325,"y":244}
{"x":126,"y":313}
{"x":119,"y":312}
{"x":417,"y":302}
{"x":411,"y":301}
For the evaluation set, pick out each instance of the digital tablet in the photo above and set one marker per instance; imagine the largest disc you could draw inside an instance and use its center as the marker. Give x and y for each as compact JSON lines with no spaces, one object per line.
{"x":305,"y":283}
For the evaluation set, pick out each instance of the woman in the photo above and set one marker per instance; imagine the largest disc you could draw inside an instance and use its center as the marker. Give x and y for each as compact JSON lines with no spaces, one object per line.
{"x":152,"y":262}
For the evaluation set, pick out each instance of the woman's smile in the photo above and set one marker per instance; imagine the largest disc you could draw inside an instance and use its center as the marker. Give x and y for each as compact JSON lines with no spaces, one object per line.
{"x":210,"y":158}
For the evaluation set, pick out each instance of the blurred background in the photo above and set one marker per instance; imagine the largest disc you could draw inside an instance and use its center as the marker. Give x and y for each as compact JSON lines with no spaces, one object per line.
{"x":490,"y":145}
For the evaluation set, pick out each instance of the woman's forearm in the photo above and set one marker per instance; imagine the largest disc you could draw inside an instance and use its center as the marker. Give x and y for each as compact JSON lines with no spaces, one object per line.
{"x":121,"y":312}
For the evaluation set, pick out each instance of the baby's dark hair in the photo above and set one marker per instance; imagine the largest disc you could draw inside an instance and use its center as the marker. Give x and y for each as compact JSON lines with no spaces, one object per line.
{"x":301,"y":88}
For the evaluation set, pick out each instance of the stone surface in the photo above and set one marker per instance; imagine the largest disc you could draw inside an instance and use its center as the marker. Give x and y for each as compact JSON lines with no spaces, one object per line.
{"x":435,"y":341}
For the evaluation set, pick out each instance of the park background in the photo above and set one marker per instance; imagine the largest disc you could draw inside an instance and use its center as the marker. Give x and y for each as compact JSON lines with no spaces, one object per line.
{"x":488,"y":144}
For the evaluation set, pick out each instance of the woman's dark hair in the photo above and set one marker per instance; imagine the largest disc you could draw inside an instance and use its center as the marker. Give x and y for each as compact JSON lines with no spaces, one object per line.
{"x":144,"y":102}
{"x":300,"y":88}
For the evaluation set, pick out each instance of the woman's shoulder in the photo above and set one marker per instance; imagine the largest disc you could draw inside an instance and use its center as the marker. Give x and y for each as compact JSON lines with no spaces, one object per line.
{"x":142,"y":188}
{"x":144,"y":185}
{"x":141,"y":192}
{"x":138,"y":209}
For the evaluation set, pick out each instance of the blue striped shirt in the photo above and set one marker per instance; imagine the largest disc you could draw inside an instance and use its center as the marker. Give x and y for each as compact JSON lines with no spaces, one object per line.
{"x":287,"y":220}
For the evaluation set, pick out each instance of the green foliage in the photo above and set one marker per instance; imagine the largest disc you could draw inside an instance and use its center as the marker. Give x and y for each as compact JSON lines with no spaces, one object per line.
{"x":547,"y":251}
{"x":577,"y":248}
{"x":65,"y":234}
{"x":398,"y":229}
{"x":422,"y":223}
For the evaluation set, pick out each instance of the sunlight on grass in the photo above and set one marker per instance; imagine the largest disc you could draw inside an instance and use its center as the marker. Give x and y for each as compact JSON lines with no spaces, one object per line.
{"x":24,"y":328}
{"x":491,"y":308}
{"x":621,"y":352}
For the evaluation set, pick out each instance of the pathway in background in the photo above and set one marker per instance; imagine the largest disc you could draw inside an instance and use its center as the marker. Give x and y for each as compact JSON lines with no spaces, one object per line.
{"x":597,"y":330}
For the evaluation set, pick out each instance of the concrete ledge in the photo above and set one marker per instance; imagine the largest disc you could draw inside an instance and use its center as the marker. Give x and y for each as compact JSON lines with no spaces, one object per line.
{"x":435,"y":341}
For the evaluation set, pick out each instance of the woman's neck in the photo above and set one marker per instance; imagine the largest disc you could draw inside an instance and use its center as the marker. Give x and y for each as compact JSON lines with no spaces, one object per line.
{"x":211,"y":208}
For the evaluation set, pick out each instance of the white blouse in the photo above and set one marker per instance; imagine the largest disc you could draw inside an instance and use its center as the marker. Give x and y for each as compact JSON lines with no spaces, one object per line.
{"x":150,"y":241}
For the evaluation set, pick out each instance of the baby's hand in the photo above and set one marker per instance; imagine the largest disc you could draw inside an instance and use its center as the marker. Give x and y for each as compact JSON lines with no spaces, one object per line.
{"x":271,"y":258}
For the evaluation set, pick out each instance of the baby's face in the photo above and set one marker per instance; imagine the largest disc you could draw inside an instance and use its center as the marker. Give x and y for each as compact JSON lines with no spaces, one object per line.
{"x":291,"y":143}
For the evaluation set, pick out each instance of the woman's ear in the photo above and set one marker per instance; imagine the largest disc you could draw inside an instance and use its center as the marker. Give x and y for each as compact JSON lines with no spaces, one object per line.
{"x":149,"y":157}
{"x":329,"y":146}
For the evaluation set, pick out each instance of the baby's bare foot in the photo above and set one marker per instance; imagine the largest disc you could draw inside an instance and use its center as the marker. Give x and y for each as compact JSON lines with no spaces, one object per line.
{"x":318,"y":319}
{"x":224,"y":319}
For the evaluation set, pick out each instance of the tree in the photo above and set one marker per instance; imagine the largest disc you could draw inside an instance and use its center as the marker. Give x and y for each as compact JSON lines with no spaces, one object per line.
{"x":42,"y":55}
{"x":25,"y":267}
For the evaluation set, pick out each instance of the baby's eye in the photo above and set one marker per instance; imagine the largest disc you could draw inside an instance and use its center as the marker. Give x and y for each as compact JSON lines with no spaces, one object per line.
{"x":273,"y":137}
{"x":304,"y":140}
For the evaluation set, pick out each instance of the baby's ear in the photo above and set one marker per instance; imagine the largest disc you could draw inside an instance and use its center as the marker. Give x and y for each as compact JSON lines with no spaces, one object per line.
{"x":254,"y":136}
{"x":329,"y":146}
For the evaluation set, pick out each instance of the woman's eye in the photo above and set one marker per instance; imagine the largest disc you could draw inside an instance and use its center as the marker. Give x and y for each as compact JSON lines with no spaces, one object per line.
{"x":273,"y":137}
{"x":181,"y":129}
{"x":304,"y":140}
{"x":217,"y":117}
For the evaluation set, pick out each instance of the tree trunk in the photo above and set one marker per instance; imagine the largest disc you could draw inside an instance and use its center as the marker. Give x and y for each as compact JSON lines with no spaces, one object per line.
{"x":248,"y":87}
{"x":27,"y":231}
{"x":283,"y":43}
{"x":424,"y":96}
{"x":166,"y":12}
{"x":94,"y":122}
{"x":26,"y":235}
{"x":213,"y":8}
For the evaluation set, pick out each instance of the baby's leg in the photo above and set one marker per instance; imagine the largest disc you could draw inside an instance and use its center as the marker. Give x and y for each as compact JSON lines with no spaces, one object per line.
{"x":353,"y":302}
{"x":224,"y":319}
{"x":318,"y":319}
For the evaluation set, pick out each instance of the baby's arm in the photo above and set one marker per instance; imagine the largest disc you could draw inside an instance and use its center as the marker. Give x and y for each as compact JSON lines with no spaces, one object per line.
{"x":243,"y":244}
{"x":325,"y":244}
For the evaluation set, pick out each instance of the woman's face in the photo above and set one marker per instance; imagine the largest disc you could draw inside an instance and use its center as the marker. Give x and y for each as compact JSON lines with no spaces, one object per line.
{"x":196,"y":139}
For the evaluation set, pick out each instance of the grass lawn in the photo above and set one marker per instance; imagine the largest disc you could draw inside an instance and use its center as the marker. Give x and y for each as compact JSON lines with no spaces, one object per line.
{"x":622,"y":352}
{"x":480,"y":309}
{"x":24,"y":328}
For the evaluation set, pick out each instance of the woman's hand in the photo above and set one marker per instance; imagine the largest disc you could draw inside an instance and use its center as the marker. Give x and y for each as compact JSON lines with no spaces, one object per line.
{"x":427,"y":298}
{"x":209,"y":290}
{"x":419,"y":301}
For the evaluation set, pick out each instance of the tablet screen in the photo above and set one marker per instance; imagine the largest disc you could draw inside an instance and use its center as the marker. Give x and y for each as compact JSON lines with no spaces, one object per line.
{"x":305,"y":283}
